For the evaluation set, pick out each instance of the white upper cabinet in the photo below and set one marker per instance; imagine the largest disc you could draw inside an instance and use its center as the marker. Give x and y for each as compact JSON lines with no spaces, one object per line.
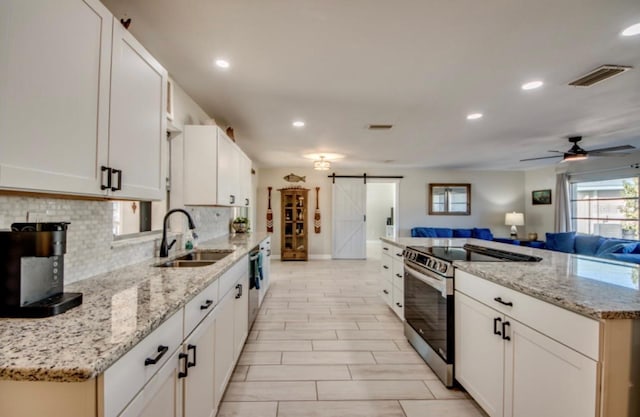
{"x":228,"y":181}
{"x":216,"y":171}
{"x":138,"y":120}
{"x":78,"y":93}
{"x":55,"y":64}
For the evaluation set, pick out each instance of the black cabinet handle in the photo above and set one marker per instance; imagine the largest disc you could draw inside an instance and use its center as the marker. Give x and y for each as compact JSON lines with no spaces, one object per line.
{"x":185,"y":372}
{"x":495,"y":326}
{"x":385,"y":248}
{"x":232,"y":199}
{"x":191,"y":364}
{"x":504,"y":330}
{"x":161,"y":351}
{"x":239,"y":288}
{"x":399,"y":254}
{"x":117,"y":172}
{"x":385,"y":267}
{"x":399,"y":305}
{"x":246,"y":201}
{"x":501,"y":301}
{"x":206,"y":305}
{"x":385,"y":291}
{"x":102,"y":170}
{"x":399,"y":275}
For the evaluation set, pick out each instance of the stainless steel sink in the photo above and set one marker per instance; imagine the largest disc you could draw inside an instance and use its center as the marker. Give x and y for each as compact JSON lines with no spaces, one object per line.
{"x":205,"y":255}
{"x":176,"y":263}
{"x":197,"y":258}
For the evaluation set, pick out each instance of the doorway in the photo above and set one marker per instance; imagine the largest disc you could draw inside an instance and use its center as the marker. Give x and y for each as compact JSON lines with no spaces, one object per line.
{"x":362,"y":214}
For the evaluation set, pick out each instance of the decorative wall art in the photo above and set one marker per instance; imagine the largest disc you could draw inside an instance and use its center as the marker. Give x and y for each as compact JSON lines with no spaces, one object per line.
{"x":539,"y":197}
{"x":316,"y":217}
{"x":269,"y":214}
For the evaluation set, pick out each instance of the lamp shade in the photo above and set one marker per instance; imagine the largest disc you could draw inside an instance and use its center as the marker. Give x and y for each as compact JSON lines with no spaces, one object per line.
{"x":514,"y":219}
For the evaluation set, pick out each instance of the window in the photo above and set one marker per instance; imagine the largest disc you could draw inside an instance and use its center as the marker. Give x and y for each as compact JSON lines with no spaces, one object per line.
{"x":607,"y":208}
{"x":450,"y":199}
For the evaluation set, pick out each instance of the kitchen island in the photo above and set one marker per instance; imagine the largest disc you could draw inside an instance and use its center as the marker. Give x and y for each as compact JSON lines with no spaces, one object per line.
{"x":572,"y":327}
{"x":68,"y":355}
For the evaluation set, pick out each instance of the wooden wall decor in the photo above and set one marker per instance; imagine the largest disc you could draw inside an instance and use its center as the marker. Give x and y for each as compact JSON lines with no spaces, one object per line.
{"x":316,"y":217}
{"x":269,"y":214}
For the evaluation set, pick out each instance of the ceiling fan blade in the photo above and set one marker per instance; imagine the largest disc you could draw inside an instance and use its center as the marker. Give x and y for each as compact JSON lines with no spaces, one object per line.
{"x":542,"y":157}
{"x":557,"y":151}
{"x":611,"y":149}
{"x":609,"y":154}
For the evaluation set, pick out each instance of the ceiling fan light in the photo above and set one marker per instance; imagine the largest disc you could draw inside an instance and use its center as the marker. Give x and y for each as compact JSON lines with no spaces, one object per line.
{"x":570,"y":157}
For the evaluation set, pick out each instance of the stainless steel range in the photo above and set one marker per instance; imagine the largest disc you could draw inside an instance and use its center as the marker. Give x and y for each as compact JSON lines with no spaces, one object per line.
{"x":428,"y":299}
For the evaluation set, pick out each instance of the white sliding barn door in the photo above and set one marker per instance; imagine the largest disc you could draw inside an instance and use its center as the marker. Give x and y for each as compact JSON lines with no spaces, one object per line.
{"x":349,"y":222}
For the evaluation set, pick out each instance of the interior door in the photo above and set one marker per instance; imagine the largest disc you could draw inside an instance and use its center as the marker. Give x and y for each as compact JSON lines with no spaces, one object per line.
{"x":349,"y":219}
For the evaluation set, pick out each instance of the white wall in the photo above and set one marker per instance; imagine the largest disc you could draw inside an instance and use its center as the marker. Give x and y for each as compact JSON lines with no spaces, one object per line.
{"x":380,"y":199}
{"x":539,"y":218}
{"x":493,"y":193}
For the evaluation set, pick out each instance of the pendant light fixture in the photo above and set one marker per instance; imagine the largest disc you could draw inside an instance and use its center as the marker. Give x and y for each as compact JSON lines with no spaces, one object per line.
{"x":321,"y":164}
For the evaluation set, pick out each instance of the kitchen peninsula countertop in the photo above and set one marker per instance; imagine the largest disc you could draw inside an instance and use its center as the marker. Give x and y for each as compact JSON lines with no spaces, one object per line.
{"x":119,"y":309}
{"x":594,"y":287}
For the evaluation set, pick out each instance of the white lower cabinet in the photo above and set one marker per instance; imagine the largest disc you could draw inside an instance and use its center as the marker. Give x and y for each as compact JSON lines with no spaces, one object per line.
{"x":223,"y":347}
{"x":199,"y":385}
{"x":513,"y":370}
{"x":391,"y":280}
{"x":162,"y":396}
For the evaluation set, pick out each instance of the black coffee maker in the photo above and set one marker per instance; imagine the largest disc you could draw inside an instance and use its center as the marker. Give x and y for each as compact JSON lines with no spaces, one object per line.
{"x":32,"y":271}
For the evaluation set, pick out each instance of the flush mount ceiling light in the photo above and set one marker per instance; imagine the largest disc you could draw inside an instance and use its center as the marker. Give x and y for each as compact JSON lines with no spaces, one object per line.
{"x":321,"y":164}
{"x":222,"y":63}
{"x":474,"y":116}
{"x":632,"y":30}
{"x":298,"y":123}
{"x":532,"y":85}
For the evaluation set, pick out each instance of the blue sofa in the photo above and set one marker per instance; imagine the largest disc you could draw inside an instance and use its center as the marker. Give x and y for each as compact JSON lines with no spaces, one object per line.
{"x":593,"y":245}
{"x":477,"y":233}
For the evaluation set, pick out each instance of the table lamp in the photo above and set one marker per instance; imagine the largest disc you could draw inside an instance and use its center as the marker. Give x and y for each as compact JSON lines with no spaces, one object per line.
{"x":514,"y":219}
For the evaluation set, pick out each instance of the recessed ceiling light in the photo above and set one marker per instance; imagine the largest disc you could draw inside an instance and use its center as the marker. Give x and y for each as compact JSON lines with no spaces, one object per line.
{"x":298,"y":123}
{"x":474,"y":116}
{"x":631,"y":30}
{"x":222,"y":63}
{"x":532,"y":85}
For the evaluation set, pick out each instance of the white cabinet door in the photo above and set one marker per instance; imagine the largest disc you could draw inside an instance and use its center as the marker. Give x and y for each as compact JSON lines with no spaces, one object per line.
{"x":241,"y":316}
{"x":224,"y":350}
{"x":200,"y":165}
{"x":228,"y":160}
{"x":546,"y":378}
{"x":54,"y":94}
{"x":398,"y":301}
{"x":199,"y":385}
{"x":137,"y":122}
{"x":244,"y":179}
{"x":162,"y":396}
{"x":479,"y":353}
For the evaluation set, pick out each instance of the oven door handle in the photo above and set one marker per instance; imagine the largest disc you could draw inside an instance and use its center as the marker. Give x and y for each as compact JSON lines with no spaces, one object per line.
{"x":443,"y":285}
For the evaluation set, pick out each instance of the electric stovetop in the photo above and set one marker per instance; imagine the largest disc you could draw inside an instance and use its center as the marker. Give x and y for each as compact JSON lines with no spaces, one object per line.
{"x":474,"y":253}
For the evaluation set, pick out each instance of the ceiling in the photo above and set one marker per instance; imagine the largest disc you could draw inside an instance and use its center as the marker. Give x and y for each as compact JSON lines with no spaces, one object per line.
{"x":421,"y":65}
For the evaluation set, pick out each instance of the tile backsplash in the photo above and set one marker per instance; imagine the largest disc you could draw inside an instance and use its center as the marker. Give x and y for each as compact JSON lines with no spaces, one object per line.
{"x":90,"y":246}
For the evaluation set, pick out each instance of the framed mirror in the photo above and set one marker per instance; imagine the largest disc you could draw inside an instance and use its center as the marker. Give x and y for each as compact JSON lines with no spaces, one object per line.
{"x":450,"y":199}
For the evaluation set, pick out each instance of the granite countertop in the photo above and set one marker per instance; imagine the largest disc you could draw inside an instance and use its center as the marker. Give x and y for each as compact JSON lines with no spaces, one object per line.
{"x":119,"y":309}
{"x":594,"y":287}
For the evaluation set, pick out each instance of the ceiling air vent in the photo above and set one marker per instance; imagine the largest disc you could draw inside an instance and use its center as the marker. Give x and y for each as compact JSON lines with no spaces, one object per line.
{"x":380,"y":127}
{"x":599,"y":74}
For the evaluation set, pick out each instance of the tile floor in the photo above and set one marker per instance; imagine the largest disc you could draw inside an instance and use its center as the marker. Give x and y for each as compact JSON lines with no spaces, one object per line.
{"x":325,"y":345}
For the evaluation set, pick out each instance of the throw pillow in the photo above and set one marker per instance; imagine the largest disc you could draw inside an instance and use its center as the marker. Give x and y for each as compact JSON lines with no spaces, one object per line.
{"x":461,"y":232}
{"x":616,"y":246}
{"x":484,"y":234}
{"x":561,"y":242}
{"x":588,"y":244}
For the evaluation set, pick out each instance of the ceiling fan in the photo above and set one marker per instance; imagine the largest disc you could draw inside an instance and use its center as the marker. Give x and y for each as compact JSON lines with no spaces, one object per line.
{"x":576,"y":153}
